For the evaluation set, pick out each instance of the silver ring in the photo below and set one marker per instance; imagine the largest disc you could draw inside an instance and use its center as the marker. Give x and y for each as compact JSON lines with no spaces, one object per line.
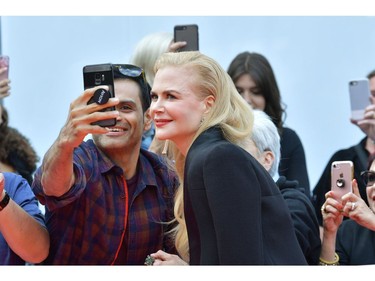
{"x":354,"y":204}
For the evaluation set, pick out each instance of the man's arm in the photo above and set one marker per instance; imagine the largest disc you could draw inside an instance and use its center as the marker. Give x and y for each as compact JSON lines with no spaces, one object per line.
{"x":58,"y":176}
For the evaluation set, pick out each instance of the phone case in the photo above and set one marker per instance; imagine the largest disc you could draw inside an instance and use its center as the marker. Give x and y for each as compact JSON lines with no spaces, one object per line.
{"x":359,"y":90}
{"x":188,"y":33}
{"x":342,"y":173}
{"x":4,"y":62}
{"x":96,"y":75}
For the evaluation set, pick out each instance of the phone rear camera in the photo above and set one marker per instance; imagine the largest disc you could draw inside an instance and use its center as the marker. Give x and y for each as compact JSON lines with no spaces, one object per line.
{"x":98,"y":78}
{"x":340,"y":183}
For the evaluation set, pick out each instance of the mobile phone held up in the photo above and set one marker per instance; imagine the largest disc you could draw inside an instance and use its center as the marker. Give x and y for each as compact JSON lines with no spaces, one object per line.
{"x":342,"y":173}
{"x":188,"y":33}
{"x":4,"y":62}
{"x":96,"y":75}
{"x":359,"y":90}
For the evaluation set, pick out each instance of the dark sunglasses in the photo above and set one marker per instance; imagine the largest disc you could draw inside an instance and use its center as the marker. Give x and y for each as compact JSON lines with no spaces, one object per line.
{"x":368,"y":177}
{"x":138,"y":74}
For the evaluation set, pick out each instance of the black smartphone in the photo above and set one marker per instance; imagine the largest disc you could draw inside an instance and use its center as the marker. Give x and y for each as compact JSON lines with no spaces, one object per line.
{"x":96,"y":75}
{"x":188,"y":33}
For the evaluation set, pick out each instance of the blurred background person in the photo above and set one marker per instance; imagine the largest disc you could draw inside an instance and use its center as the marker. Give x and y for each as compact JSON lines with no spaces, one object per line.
{"x":352,"y":241}
{"x":264,"y":145}
{"x":256,"y":83}
{"x":358,"y":154}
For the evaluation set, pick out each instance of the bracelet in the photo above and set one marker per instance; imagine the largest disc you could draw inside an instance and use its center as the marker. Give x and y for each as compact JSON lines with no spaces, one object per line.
{"x":335,"y":262}
{"x":4,"y":202}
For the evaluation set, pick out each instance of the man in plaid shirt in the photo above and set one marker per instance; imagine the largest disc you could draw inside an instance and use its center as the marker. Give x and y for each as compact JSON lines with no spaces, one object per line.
{"x":107,"y":200}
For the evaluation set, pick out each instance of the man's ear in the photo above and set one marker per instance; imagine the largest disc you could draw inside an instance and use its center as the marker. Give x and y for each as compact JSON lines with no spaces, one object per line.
{"x":268,"y":159}
{"x":147,"y":120}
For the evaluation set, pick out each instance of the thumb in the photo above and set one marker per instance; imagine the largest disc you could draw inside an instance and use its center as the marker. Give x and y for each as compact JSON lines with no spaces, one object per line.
{"x":355,"y":188}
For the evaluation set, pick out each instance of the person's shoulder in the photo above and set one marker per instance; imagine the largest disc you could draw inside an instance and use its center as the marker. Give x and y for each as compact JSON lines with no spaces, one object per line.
{"x":158,"y":163}
{"x":288,"y":132}
{"x":345,"y":153}
{"x":350,"y":228}
{"x":154,"y":158}
{"x":14,"y":179}
{"x":16,"y":184}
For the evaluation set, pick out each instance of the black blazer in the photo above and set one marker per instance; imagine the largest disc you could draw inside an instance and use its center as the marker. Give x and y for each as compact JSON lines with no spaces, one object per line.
{"x":235,"y":213}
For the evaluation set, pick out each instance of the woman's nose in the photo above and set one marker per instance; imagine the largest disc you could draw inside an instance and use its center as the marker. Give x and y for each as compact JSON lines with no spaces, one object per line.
{"x":247,"y":97}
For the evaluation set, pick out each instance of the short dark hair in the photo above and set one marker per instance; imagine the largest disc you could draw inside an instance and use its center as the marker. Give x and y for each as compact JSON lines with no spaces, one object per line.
{"x":371,"y":74}
{"x":136,"y":74}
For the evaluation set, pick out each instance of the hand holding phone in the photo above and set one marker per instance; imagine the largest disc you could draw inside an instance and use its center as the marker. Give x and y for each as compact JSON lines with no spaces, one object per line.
{"x":188,"y":33}
{"x":359,"y":90}
{"x":342,"y":173}
{"x":4,"y":62}
{"x":96,"y":75}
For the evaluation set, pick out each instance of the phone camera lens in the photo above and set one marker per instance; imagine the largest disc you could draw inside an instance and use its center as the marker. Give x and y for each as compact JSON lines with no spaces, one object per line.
{"x":340,"y":183}
{"x":98,"y":78}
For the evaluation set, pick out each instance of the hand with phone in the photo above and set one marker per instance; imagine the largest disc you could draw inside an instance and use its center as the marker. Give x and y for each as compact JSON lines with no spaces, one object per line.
{"x":189,"y":34}
{"x":359,"y":91}
{"x":98,"y":75}
{"x":4,"y":77}
{"x":82,"y":116}
{"x":342,"y":173}
{"x":367,"y":123}
{"x":362,"y":106}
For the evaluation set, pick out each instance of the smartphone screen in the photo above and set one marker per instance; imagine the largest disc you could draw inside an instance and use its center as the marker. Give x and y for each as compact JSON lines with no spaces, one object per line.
{"x":188,"y":33}
{"x":359,"y":91}
{"x":96,"y":75}
{"x":4,"y":62}
{"x":342,"y":173}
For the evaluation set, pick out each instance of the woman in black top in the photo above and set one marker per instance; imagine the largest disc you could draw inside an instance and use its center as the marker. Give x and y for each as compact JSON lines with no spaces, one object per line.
{"x":233,"y":210}
{"x":350,"y":242}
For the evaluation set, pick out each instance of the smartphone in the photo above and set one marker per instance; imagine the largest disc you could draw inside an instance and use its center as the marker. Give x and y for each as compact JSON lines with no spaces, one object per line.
{"x":342,"y":173}
{"x":359,"y":90}
{"x":96,"y":75}
{"x":188,"y":33}
{"x":4,"y":62}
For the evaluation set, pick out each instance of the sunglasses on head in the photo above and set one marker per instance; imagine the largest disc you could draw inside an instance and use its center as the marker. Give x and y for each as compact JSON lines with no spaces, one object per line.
{"x":368,"y":177}
{"x":129,"y":70}
{"x":137,"y":73}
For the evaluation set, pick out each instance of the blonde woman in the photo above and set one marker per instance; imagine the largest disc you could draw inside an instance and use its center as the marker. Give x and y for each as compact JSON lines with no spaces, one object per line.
{"x":228,"y":205}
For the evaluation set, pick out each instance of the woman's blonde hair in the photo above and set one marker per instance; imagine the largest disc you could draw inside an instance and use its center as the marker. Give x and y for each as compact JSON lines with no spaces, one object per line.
{"x":230,"y":112}
{"x":148,"y":51}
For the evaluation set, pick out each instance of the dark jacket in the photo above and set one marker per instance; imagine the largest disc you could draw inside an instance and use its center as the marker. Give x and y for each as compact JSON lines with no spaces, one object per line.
{"x":304,"y":219}
{"x":293,"y":160}
{"x":235,"y":213}
{"x":355,"y":244}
